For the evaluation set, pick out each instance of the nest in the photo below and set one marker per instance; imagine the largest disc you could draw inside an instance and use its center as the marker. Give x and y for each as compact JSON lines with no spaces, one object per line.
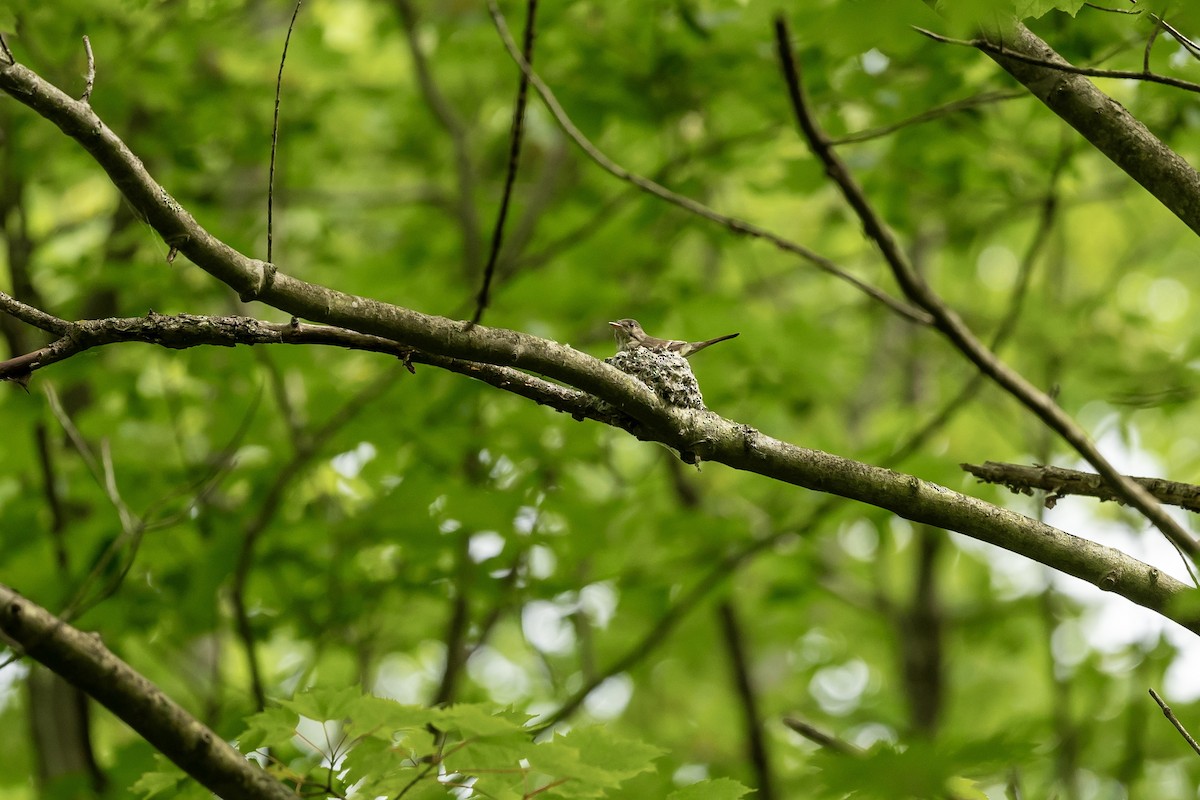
{"x":668,"y":375}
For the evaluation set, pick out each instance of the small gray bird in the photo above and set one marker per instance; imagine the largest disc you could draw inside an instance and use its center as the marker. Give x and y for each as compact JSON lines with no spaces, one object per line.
{"x":630,"y":336}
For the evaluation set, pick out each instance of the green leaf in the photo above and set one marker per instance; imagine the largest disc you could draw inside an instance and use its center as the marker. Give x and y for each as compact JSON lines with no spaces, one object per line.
{"x":715,"y":789}
{"x":268,"y":728}
{"x":168,"y":780}
{"x":324,"y":704}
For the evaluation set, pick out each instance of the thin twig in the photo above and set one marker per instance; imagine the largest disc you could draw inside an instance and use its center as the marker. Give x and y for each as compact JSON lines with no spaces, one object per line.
{"x":952,"y":326}
{"x":983,"y":98}
{"x":33,"y":316}
{"x":734,"y":224}
{"x":514,"y":157}
{"x":4,"y":49}
{"x":1186,"y":43}
{"x":1131,"y":11}
{"x":1170,"y":715}
{"x":132,"y":526}
{"x":99,"y":473}
{"x":1062,"y":66}
{"x":90,"y":81}
{"x":1154,"y":32}
{"x":275,"y":136}
{"x":606,"y":212}
{"x":826,"y":740}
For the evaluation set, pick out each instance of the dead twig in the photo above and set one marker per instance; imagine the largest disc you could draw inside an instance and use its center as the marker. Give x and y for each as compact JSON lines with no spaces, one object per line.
{"x":510,"y":177}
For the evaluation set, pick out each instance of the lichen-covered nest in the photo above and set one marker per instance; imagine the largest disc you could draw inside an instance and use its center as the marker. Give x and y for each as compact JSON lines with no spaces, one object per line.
{"x":667,"y":374}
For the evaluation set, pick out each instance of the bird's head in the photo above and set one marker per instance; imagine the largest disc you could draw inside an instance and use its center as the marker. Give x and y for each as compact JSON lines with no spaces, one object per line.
{"x":627,"y":331}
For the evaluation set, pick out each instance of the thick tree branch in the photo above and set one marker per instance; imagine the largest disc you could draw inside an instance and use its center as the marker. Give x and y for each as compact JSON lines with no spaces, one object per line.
{"x":710,"y":437}
{"x":83,"y":660}
{"x":1104,"y":122}
{"x":952,"y":326}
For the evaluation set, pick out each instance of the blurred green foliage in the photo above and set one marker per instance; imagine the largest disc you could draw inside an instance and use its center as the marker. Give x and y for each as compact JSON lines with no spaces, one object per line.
{"x":560,"y":545}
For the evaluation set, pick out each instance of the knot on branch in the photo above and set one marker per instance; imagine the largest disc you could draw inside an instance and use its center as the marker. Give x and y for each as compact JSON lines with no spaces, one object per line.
{"x":266,"y":278}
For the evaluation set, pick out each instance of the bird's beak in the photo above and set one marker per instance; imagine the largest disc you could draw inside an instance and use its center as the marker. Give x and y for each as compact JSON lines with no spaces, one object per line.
{"x":615,"y":324}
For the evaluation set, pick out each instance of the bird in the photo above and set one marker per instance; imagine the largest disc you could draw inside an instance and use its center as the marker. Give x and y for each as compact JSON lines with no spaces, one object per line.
{"x":631,"y":336}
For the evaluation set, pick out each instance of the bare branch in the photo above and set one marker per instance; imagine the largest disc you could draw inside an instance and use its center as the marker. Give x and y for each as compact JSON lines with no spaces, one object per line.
{"x":275,"y":135}
{"x":826,"y":740}
{"x":703,"y":433}
{"x":90,"y":81}
{"x":514,"y":157}
{"x":981,"y":99}
{"x":952,"y":326}
{"x":991,"y":48}
{"x":1041,"y":235}
{"x":734,"y":224}
{"x":1104,"y":122}
{"x":1060,"y":481}
{"x":83,"y":660}
{"x":1170,"y":715}
{"x":33,"y":316}
{"x":186,"y":330}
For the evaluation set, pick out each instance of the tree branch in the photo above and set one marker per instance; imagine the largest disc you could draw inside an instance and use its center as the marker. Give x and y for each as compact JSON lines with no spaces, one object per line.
{"x":688,"y":204}
{"x":1059,"y":481}
{"x":83,"y":660}
{"x":514,"y":158}
{"x":710,"y":437}
{"x":1174,"y":720}
{"x":1104,"y":122}
{"x":998,"y":50}
{"x":952,"y":326}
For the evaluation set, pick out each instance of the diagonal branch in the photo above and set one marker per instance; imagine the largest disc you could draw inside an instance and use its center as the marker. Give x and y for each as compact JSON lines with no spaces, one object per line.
{"x":952,"y":326}
{"x":1059,"y":482}
{"x":83,"y":660}
{"x":1174,"y":720}
{"x":707,"y":435}
{"x":1000,"y":50}
{"x":1104,"y":122}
